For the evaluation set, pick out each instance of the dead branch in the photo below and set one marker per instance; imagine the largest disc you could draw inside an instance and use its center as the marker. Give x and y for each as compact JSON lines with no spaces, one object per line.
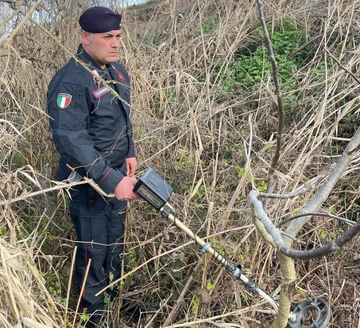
{"x":283,"y":245}
{"x":335,"y":174}
{"x":329,"y":248}
{"x":279,"y":104}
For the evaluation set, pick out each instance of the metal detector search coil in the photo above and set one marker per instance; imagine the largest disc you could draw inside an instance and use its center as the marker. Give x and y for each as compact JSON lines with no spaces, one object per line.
{"x":153,"y":189}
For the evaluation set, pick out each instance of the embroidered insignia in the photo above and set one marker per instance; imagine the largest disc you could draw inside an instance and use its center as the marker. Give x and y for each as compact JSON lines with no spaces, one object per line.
{"x":121,"y":77}
{"x":99,"y":92}
{"x":63,"y":100}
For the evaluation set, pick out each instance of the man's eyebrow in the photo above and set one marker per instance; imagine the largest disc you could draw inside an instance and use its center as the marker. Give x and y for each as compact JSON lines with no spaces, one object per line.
{"x":111,"y":34}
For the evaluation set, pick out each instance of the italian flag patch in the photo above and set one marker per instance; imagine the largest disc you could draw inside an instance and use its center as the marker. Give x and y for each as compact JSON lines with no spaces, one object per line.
{"x":63,"y":100}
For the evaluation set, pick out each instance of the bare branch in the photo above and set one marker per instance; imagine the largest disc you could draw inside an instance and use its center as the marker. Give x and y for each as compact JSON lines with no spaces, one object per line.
{"x":272,"y":58}
{"x":342,"y":66}
{"x":310,"y":185}
{"x":277,"y":239}
{"x":317,"y":214}
{"x":335,"y":174}
{"x":16,"y":30}
{"x":329,"y":248}
{"x":259,"y":212}
{"x":59,"y":186}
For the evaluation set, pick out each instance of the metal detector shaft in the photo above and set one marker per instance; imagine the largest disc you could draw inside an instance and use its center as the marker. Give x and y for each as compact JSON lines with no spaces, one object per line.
{"x":233,"y":269}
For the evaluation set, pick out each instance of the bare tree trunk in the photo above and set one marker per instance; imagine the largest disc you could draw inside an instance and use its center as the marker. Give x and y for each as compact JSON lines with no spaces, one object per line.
{"x":287,"y":269}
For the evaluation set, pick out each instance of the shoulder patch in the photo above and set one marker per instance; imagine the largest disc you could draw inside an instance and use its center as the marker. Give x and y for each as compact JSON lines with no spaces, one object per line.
{"x":63,"y":100}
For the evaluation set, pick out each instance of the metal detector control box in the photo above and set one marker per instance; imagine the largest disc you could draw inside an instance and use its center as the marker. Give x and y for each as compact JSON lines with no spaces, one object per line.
{"x":153,"y":189}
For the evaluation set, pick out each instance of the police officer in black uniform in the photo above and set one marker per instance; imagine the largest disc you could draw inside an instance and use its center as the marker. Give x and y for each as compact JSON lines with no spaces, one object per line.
{"x":89,"y":104}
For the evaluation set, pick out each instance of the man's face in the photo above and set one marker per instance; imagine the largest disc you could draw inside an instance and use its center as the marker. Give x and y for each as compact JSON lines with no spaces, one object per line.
{"x":102,"y":47}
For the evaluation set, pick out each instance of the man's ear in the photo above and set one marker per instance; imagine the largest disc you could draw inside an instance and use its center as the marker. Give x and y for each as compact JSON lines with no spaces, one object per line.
{"x":85,"y":38}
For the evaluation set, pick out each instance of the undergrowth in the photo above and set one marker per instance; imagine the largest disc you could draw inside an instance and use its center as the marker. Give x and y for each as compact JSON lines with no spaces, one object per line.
{"x":205,"y":117}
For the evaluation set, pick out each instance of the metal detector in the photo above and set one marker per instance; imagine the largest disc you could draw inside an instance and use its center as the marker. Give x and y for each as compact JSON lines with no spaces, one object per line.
{"x":155,"y":191}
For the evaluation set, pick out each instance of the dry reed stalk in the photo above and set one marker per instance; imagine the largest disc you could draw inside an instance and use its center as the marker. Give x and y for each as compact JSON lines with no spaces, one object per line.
{"x":69,"y":286}
{"x":18,"y":281}
{"x":19,"y":26}
{"x":81,"y":291}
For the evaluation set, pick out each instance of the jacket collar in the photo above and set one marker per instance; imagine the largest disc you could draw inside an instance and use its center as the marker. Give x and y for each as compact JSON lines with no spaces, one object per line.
{"x":87,"y":59}
{"x":93,"y":65}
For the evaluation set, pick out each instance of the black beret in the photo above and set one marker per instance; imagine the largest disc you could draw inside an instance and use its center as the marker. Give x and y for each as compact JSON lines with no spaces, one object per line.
{"x":99,"y":20}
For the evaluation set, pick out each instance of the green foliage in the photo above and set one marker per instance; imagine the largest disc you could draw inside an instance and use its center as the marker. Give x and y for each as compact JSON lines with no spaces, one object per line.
{"x":210,"y":285}
{"x":84,"y":318}
{"x":133,"y":256}
{"x":262,"y":186}
{"x":322,"y":233}
{"x":241,"y":171}
{"x":195,"y":305}
{"x":210,"y":24}
{"x":245,"y":299}
{"x":19,"y":159}
{"x":3,"y":230}
{"x":55,"y":289}
{"x":253,"y":65}
{"x":154,"y":37}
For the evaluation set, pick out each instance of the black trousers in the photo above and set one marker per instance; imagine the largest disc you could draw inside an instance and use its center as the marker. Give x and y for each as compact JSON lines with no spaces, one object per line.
{"x":99,"y":225}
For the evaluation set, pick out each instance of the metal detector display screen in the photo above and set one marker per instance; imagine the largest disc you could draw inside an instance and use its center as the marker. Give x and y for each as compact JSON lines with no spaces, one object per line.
{"x":153,"y":189}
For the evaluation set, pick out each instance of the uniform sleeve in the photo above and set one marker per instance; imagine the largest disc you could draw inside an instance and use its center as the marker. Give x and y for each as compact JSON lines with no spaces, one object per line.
{"x":68,"y":109}
{"x":132,"y":152}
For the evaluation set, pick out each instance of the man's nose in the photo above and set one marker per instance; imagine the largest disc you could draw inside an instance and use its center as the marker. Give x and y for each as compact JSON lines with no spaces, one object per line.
{"x":115,"y":43}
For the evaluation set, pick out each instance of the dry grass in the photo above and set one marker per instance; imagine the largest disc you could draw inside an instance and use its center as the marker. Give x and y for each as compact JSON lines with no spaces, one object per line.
{"x":198,"y":137}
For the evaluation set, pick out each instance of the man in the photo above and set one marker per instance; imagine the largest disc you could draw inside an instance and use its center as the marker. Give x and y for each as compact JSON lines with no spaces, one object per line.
{"x":89,"y":105}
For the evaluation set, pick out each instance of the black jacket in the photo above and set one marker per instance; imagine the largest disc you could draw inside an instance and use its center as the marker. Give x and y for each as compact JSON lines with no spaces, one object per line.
{"x":90,"y":126}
